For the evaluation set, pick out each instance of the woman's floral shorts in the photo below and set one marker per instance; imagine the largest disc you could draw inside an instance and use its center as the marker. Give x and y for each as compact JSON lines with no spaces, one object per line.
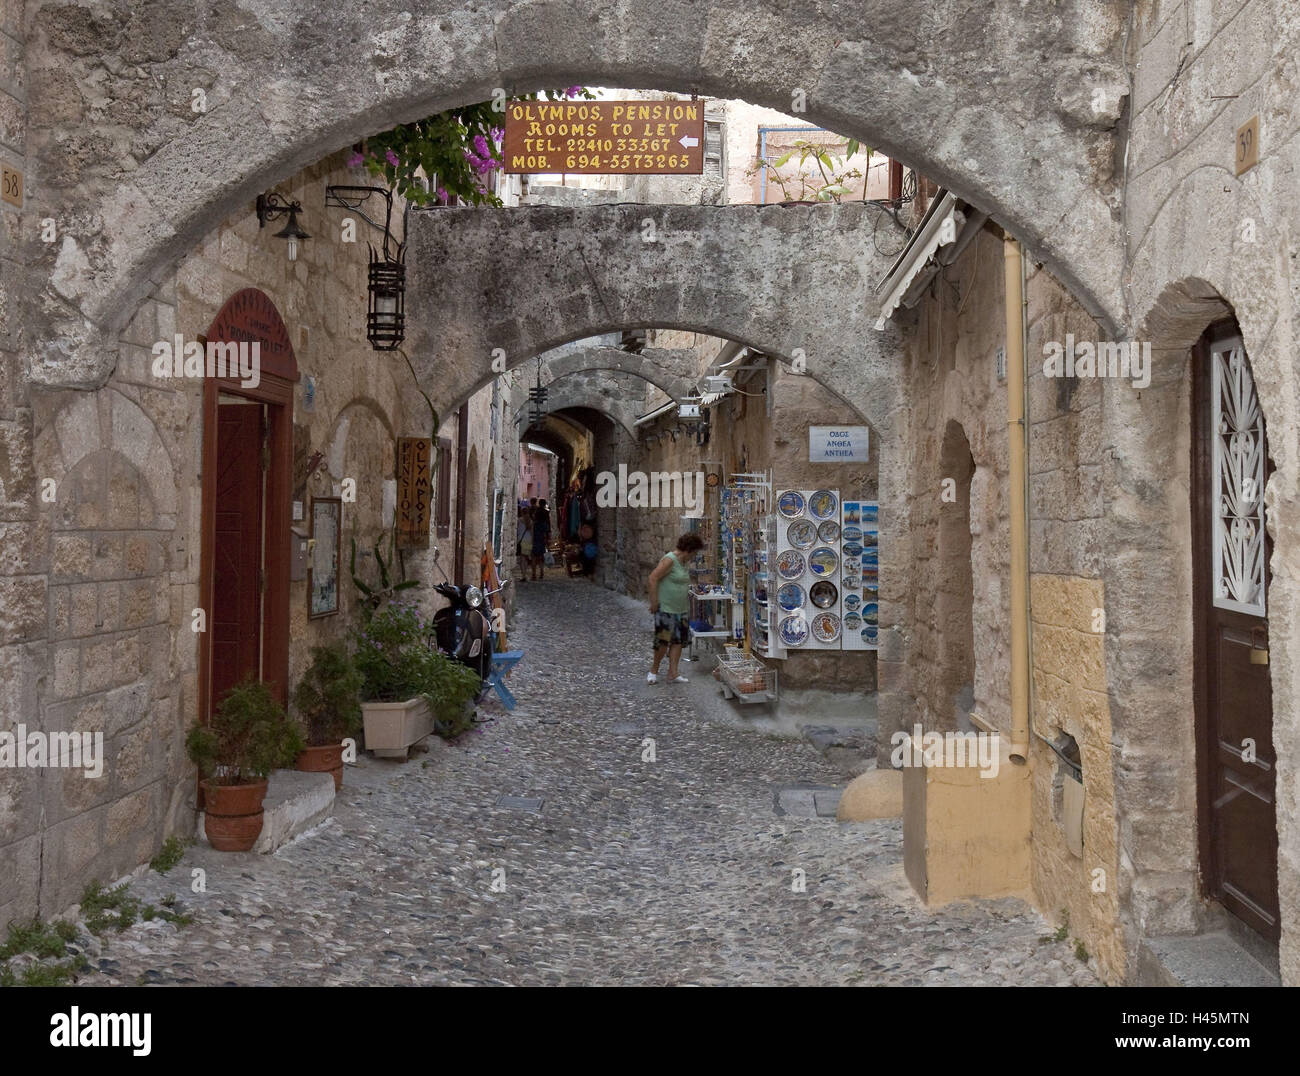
{"x":671,"y":629}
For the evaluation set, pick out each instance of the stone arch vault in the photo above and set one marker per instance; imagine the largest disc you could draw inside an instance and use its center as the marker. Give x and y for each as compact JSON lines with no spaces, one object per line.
{"x":137,"y":177}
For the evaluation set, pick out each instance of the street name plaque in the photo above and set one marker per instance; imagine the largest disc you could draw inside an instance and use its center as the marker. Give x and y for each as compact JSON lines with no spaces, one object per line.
{"x":659,"y":138}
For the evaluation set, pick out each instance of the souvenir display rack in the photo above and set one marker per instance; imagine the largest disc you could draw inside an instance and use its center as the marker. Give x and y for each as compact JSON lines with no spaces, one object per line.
{"x":825,"y":583}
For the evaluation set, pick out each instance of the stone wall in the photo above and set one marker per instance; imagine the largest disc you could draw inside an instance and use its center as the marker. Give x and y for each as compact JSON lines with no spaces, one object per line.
{"x":1203,"y":243}
{"x":1071,"y":682}
{"x":110,"y":565}
{"x":24,"y":533}
{"x":959,"y":467}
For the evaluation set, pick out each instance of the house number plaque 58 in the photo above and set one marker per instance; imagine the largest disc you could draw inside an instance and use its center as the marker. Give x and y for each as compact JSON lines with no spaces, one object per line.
{"x":11,"y":186}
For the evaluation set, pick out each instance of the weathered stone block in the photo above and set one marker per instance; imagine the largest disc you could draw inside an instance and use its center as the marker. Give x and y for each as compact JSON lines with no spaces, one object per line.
{"x":22,"y":609}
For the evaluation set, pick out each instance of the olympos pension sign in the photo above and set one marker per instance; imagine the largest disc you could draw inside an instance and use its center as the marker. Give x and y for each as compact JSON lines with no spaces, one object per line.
{"x":605,"y":137}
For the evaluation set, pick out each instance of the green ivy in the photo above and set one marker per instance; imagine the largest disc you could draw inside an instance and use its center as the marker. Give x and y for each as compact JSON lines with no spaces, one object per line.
{"x":457,"y":150}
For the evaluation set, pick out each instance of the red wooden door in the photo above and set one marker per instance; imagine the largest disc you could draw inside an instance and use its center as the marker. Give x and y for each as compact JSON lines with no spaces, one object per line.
{"x":1238,"y":817}
{"x":237,"y":550}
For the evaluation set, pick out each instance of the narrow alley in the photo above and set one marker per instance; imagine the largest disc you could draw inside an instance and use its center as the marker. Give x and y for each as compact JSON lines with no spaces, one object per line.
{"x":677,"y":871}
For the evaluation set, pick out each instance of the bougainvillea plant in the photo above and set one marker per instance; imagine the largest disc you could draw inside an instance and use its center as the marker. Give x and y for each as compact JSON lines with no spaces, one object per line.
{"x":458,"y":150}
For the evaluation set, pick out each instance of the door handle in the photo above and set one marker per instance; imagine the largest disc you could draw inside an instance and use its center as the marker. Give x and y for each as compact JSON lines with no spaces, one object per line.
{"x":1259,"y":646}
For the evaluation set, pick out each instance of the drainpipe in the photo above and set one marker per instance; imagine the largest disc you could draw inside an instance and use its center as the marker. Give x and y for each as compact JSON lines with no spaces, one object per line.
{"x":1018,"y":481}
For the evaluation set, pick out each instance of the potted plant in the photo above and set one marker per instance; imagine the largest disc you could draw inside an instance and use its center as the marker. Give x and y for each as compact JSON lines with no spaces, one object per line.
{"x":327,"y":699}
{"x":831,"y":181}
{"x":408,"y":687}
{"x":248,"y":737}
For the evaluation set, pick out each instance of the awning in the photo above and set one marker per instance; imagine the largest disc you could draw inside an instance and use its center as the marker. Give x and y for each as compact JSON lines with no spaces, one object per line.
{"x":915,"y":266}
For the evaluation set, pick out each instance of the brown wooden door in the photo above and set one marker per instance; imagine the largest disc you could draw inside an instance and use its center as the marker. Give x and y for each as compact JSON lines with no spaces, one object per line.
{"x":237,"y":550}
{"x":1238,"y":819}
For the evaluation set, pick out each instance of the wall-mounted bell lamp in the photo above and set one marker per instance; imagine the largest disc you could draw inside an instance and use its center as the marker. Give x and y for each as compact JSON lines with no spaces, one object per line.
{"x":271,"y":207}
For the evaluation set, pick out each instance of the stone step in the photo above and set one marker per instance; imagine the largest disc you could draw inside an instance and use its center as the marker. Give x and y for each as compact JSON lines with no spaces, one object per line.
{"x":1215,"y":959}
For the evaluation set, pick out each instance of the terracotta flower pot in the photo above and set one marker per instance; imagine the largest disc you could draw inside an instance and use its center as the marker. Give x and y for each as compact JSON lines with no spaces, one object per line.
{"x":232,"y":814}
{"x":325,"y":759}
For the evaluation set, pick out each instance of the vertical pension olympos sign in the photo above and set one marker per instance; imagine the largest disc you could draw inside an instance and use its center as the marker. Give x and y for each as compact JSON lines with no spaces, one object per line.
{"x":414,"y":492}
{"x":605,"y":137}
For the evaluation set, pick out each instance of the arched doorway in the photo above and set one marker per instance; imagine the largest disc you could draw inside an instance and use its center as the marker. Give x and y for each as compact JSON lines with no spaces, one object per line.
{"x":246,"y":477}
{"x":1236,"y":760}
{"x":955,"y":600}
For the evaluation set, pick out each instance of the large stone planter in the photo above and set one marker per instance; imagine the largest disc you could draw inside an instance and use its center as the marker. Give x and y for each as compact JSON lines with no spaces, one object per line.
{"x":391,"y":727}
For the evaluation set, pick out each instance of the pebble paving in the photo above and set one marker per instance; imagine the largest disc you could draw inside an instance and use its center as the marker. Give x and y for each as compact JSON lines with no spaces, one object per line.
{"x":668,"y":872}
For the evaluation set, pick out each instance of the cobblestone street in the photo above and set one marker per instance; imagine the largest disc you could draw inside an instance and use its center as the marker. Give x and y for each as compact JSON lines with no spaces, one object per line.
{"x":676,"y":871}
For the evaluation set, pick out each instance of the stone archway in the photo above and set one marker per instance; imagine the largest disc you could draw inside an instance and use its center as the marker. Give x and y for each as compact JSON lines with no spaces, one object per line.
{"x":1148,"y":597}
{"x":955,"y":589}
{"x":742,"y":273}
{"x":1032,"y":144}
{"x":673,"y":370}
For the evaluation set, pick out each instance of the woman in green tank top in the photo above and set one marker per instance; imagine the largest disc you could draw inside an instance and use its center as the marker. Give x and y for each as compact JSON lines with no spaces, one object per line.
{"x":670,"y":604}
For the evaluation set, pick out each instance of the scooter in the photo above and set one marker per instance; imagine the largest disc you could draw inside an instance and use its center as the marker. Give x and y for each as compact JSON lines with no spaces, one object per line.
{"x":463,"y":628}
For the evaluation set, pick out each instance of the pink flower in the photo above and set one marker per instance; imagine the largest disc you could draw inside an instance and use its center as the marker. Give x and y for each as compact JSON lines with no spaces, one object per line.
{"x":573,"y":91}
{"x":355,"y":160}
{"x":481,"y":146}
{"x":442,"y":195}
{"x":392,"y":158}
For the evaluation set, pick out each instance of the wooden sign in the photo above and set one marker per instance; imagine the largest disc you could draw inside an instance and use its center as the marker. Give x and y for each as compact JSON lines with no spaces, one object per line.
{"x":662,"y":138}
{"x":1248,"y":145}
{"x":251,"y":315}
{"x":414,"y":492}
{"x":11,"y":185}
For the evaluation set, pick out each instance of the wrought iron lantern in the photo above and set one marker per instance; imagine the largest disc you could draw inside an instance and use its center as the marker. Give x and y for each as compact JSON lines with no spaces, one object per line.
{"x":386,"y":279}
{"x":537,"y":396}
{"x":386,"y":310}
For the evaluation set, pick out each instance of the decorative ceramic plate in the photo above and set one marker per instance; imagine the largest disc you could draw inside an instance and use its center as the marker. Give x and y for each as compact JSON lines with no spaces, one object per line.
{"x":822,"y":504}
{"x":869,"y":633}
{"x":851,"y":601}
{"x":801,"y":533}
{"x":791,"y":504}
{"x":790,"y":564}
{"x":852,"y":549}
{"x":829,"y":531}
{"x":852,"y":534}
{"x":794,"y":630}
{"x":826,"y":627}
{"x":822,"y":560}
{"x":852,"y":622}
{"x":871,"y":613}
{"x":823,"y":594}
{"x":790,"y":597}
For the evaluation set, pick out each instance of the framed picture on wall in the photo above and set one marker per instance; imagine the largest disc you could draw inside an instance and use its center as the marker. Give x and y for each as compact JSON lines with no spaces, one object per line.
{"x":326,"y":556}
